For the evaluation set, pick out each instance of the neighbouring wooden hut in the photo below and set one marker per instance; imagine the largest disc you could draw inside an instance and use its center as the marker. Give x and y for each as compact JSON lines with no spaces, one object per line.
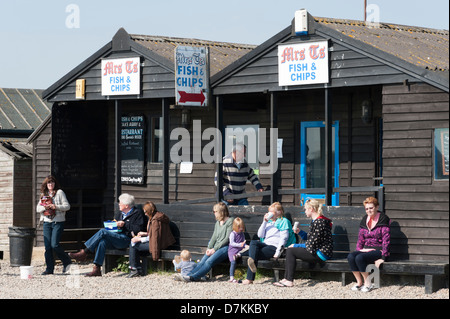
{"x":21,"y":111}
{"x":376,"y":125}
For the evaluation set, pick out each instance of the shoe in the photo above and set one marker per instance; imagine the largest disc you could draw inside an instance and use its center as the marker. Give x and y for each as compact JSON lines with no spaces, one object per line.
{"x":96,"y":272}
{"x":243,"y":250}
{"x":284,"y":283}
{"x":251,"y":265}
{"x":247,"y":282}
{"x":356,"y":288}
{"x":66,"y":268}
{"x":179,"y":277}
{"x":235,"y":281}
{"x":366,"y":289}
{"x":79,"y":256}
{"x":47,"y":272}
{"x":134,"y":273}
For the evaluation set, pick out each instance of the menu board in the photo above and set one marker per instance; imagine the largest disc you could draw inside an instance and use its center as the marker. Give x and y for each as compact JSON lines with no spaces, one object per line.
{"x":132,"y":145}
{"x":441,"y":154}
{"x":79,"y":139}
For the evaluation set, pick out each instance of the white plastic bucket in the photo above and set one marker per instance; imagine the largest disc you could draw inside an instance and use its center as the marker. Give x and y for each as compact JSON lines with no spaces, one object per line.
{"x":26,"y":272}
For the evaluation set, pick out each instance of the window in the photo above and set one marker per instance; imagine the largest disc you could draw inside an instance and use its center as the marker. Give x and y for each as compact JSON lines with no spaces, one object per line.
{"x":441,"y":160}
{"x":156,"y":140}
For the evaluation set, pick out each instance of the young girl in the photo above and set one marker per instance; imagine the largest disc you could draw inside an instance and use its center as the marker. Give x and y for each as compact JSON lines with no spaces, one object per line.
{"x":237,"y":243}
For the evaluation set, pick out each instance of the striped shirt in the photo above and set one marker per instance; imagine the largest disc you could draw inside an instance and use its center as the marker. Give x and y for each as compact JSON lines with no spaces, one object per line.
{"x":235,"y":178}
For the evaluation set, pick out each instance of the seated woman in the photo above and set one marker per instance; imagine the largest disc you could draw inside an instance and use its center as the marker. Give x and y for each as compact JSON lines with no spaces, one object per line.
{"x":318,"y":246}
{"x":217,"y":250}
{"x":372,"y":246}
{"x":158,"y":236}
{"x":275,"y":233}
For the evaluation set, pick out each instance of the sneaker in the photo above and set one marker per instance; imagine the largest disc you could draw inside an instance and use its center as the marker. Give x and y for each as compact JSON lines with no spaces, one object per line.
{"x":251,"y":265}
{"x":366,"y":289}
{"x":356,"y":288}
{"x":134,"y":273}
{"x":66,"y":268}
{"x":179,"y":277}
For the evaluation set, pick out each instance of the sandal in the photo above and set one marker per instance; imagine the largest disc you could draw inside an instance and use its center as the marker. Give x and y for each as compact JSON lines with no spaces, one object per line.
{"x":283,"y":283}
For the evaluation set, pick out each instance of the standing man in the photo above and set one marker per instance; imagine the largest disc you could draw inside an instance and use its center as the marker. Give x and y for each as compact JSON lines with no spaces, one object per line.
{"x":236,"y":172}
{"x":130,"y":220}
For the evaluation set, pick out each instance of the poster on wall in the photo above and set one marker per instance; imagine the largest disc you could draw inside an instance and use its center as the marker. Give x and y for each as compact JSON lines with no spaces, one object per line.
{"x":121,"y":76}
{"x":303,"y":63}
{"x":132,"y":147}
{"x":191,"y":76}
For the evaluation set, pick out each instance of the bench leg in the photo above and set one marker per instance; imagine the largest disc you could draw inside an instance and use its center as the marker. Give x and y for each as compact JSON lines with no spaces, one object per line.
{"x":107,"y":264}
{"x":276,"y":275}
{"x":433,"y":283}
{"x":346,"y":278}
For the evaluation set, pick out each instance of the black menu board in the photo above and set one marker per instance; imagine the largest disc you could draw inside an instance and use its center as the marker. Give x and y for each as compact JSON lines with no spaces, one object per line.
{"x":132,"y":146}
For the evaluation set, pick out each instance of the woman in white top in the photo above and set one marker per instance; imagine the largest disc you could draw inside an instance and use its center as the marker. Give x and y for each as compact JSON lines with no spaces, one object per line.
{"x":275,"y":233}
{"x":52,"y":206}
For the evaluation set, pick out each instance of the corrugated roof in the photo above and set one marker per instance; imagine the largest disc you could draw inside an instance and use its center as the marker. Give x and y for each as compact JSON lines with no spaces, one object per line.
{"x":18,"y":150}
{"x":221,"y":53}
{"x":22,"y":109}
{"x":424,"y":47}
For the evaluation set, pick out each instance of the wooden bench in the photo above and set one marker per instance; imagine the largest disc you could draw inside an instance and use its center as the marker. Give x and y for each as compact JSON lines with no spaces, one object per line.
{"x":193,"y":225}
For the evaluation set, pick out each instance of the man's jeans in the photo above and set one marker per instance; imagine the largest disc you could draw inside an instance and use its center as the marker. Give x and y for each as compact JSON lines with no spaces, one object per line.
{"x":105,"y":239}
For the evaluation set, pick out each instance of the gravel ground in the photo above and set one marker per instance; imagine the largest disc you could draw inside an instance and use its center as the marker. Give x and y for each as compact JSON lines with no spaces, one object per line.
{"x":162,"y":286}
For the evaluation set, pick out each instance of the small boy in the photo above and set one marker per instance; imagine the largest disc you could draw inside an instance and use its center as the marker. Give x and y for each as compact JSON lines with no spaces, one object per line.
{"x":185,"y":265}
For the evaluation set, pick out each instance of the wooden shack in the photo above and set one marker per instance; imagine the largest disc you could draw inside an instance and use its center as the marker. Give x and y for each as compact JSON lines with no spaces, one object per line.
{"x":374,"y":127}
{"x":21,"y":112}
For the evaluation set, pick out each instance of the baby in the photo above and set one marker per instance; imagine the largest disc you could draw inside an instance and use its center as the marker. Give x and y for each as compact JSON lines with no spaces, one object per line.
{"x":183,"y":263}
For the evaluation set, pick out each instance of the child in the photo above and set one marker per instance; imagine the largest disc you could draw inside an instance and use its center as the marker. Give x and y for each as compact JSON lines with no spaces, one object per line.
{"x":237,"y":244}
{"x":185,"y":265}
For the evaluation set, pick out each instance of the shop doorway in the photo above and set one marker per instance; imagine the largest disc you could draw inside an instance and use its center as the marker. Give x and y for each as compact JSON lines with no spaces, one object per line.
{"x":312,"y":159}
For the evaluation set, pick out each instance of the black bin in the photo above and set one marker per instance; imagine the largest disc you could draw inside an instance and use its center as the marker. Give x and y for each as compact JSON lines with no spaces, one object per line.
{"x":21,"y":240}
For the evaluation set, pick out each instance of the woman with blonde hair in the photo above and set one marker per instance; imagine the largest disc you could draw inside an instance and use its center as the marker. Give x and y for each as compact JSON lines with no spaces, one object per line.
{"x":217,"y":250}
{"x":318,"y":246}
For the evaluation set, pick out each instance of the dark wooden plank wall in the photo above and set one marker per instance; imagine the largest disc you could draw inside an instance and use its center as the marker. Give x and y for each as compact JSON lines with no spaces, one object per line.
{"x":156,"y":81}
{"x":42,"y":146}
{"x":347,"y":68}
{"x":292,"y":109}
{"x":418,"y":204}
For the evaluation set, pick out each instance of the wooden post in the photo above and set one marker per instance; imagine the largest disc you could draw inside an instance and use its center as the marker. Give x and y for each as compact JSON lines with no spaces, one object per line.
{"x":118,"y":157}
{"x":328,"y":148}
{"x":273,"y":125}
{"x":165,"y":151}
{"x":219,"y":167}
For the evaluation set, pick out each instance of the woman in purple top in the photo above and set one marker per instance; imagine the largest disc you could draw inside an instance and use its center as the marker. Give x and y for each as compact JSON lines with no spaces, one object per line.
{"x":237,"y":243}
{"x":373,"y":244}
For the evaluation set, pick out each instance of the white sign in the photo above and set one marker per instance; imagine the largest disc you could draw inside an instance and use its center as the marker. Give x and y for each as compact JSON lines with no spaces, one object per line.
{"x":303,"y":63}
{"x":121,"y":76}
{"x":191,"y":76}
